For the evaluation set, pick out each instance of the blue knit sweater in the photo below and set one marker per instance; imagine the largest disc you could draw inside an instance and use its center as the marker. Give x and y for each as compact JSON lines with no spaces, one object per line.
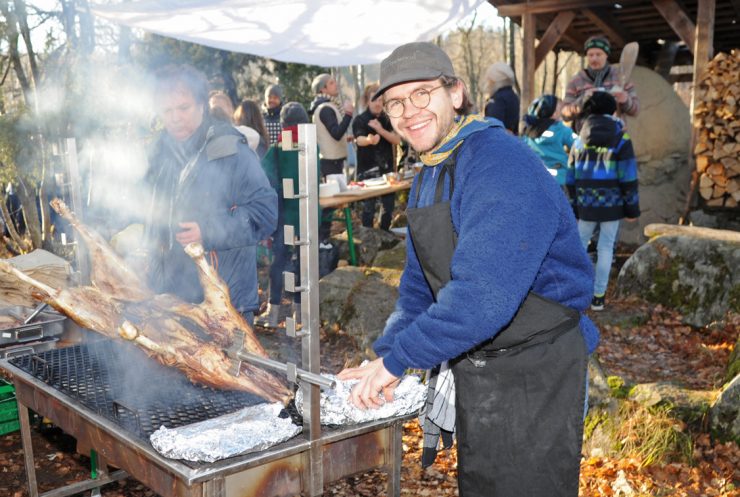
{"x":516,"y":233}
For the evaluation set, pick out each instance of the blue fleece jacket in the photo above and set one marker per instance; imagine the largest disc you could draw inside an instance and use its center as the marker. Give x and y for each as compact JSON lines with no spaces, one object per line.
{"x":516,"y":233}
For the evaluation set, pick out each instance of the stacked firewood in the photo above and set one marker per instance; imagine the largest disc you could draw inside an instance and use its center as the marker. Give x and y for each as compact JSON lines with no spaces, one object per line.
{"x":717,"y":148}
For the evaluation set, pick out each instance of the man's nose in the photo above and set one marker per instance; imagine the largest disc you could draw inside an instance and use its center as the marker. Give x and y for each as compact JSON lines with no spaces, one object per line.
{"x":409,"y":109}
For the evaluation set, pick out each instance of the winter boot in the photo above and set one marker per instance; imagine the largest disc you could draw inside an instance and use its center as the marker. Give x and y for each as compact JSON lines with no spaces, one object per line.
{"x":270,"y":318}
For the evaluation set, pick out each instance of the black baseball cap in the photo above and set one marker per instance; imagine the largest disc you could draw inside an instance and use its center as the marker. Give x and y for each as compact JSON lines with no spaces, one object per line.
{"x":417,"y":61}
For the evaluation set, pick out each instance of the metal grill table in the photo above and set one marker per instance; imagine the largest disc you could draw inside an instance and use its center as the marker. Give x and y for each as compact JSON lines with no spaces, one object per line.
{"x":50,"y":386}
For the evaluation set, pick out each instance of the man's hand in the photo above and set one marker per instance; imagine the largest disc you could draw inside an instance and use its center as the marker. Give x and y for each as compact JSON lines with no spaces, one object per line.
{"x":619,"y":95}
{"x":375,"y":124}
{"x":373,"y":138}
{"x":348,"y":107}
{"x":190,"y":233}
{"x":374,"y":380}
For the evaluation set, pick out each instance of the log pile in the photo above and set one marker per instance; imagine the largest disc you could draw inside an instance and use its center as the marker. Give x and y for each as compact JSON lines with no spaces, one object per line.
{"x":717,"y":148}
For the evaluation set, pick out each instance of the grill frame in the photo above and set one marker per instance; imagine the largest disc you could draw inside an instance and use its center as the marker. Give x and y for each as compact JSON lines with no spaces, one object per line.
{"x":281,"y":470}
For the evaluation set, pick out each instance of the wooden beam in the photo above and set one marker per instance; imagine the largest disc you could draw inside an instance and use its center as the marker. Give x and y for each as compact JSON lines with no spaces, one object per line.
{"x":608,"y":24}
{"x":548,"y":6}
{"x":528,"y":28}
{"x":554,"y":32}
{"x":678,"y":20}
{"x":703,"y":48}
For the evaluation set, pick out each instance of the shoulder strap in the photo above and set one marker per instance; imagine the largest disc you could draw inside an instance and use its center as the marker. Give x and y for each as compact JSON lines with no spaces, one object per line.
{"x":447,"y":169}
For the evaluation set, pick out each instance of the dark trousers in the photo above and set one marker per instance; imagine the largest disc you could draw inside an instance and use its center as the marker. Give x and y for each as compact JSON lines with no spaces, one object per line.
{"x":387,"y":203}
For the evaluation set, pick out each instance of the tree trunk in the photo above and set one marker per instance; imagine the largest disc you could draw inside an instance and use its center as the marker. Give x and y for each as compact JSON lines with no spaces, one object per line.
{"x":11,"y":24}
{"x":124,"y":45}
{"x":555,"y":74}
{"x":68,"y":21}
{"x":19,"y":245}
{"x":22,"y":18}
{"x":27,"y":197}
{"x":87,"y":28}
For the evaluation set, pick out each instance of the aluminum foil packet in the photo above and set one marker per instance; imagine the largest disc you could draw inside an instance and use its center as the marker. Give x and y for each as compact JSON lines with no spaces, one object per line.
{"x":336,"y":409}
{"x":251,"y":429}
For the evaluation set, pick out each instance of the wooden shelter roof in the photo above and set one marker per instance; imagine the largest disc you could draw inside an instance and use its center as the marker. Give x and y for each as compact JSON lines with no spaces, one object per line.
{"x":650,"y":23}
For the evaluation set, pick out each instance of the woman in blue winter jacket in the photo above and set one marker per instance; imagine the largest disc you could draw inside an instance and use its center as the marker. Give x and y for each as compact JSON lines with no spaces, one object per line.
{"x":546,"y":134}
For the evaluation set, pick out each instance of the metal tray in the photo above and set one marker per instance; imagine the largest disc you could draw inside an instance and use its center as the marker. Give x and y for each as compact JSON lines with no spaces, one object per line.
{"x":48,"y":323}
{"x":19,"y":349}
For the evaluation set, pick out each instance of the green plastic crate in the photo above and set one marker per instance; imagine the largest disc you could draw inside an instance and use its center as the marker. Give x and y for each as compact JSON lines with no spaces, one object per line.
{"x":8,"y":408}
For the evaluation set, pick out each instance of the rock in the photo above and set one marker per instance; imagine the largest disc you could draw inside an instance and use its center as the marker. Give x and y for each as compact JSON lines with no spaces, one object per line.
{"x":394,"y":258}
{"x":695,"y":274}
{"x":368,"y":242}
{"x":599,"y":393}
{"x":367,"y":309}
{"x":733,"y":365}
{"x":725,"y":413}
{"x":334,"y":289}
{"x":688,"y":405}
{"x":359,"y":301}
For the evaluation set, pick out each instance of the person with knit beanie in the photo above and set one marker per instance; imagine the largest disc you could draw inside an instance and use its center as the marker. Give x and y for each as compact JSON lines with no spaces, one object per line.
{"x":602,"y":183}
{"x":598,"y":75}
{"x":546,"y":134}
{"x":492,"y":294}
{"x":271,"y":111}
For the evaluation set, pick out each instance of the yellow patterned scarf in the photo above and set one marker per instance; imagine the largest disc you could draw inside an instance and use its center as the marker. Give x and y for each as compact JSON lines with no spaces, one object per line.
{"x":463,"y":127}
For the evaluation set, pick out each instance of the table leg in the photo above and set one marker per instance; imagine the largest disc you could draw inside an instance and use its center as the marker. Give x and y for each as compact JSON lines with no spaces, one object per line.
{"x":33,"y":490}
{"x":350,"y":239}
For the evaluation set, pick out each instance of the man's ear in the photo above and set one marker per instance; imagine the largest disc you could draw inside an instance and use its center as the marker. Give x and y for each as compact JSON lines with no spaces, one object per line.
{"x":456,"y":93}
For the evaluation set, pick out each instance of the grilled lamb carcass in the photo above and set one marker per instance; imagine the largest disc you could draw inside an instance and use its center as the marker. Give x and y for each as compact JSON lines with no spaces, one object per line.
{"x":187,"y":336}
{"x":160,"y":334}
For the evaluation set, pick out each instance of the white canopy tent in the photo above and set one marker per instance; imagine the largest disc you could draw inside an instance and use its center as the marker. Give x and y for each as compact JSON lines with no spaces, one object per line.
{"x":326,"y":33}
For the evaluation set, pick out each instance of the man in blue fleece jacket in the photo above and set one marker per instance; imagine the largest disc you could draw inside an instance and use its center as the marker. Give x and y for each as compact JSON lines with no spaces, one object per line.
{"x":493,"y":292}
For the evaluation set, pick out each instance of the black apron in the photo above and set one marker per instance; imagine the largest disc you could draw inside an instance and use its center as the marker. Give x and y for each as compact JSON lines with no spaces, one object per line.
{"x":520,"y":395}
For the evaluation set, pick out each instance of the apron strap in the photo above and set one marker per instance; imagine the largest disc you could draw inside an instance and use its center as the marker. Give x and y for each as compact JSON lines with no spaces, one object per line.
{"x":448,"y":169}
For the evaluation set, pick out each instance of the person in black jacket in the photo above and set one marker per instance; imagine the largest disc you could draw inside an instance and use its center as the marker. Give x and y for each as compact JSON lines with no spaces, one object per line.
{"x":375,"y":140}
{"x":504,"y":102}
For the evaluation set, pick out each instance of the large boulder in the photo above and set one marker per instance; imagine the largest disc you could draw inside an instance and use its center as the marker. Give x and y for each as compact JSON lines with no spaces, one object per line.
{"x":660,"y":134}
{"x":725,"y":413}
{"x":369,"y":304}
{"x":359,"y":300}
{"x":688,"y":405}
{"x":333,"y":291}
{"x":368,"y":242}
{"x":693,"y":270}
{"x":733,"y":365}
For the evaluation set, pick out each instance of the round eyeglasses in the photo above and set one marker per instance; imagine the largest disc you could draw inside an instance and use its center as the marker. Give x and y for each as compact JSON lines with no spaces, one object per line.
{"x":419,"y":98}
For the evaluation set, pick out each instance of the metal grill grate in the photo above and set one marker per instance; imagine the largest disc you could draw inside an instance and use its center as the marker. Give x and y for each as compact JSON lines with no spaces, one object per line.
{"x":118,"y":381}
